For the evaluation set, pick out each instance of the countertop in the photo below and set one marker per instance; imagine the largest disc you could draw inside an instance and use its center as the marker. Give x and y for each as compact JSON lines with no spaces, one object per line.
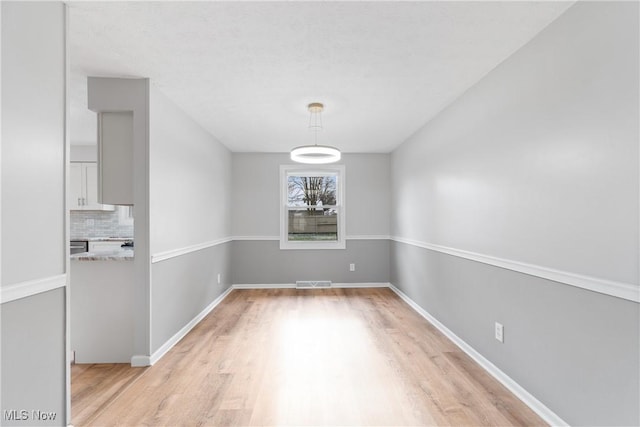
{"x":117,"y":255}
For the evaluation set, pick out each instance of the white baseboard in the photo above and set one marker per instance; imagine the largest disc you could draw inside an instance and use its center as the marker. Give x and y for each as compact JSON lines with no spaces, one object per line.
{"x":353,"y":237}
{"x":264,"y":286}
{"x":362,"y":285}
{"x":527,"y":398}
{"x":168,"y":345}
{"x":139,"y":361}
{"x":293,"y":285}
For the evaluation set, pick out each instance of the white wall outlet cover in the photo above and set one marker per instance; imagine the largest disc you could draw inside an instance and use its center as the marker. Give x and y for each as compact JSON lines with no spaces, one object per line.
{"x":499,"y":329}
{"x":352,"y":267}
{"x":219,"y":278}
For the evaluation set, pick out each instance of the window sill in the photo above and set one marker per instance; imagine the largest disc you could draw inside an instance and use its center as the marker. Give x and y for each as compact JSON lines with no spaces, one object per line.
{"x":287,"y":245}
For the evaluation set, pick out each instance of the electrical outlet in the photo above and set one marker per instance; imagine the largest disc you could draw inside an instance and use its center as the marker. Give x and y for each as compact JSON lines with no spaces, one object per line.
{"x":90,"y":222}
{"x":352,"y":267}
{"x":219,"y":278}
{"x":499,"y":332}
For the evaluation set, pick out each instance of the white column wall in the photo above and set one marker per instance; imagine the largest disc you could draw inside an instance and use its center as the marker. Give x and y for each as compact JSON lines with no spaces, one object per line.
{"x":33,"y":226}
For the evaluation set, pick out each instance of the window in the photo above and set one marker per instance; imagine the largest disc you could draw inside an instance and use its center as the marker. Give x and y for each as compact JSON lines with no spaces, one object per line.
{"x":312,"y":207}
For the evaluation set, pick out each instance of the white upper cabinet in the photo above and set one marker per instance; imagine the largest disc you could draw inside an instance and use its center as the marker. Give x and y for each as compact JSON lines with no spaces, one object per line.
{"x":83,"y":188}
{"x":91,"y":183}
{"x":76,"y":190}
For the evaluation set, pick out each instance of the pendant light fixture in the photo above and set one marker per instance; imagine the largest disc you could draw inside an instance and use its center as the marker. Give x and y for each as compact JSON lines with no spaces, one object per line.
{"x":315,"y":154}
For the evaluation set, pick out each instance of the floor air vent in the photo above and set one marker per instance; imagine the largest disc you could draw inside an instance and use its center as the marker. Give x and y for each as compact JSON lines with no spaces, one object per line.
{"x":311,"y":284}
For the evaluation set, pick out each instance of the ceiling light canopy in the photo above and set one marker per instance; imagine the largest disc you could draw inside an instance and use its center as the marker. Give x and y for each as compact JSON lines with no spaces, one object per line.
{"x":315,"y":154}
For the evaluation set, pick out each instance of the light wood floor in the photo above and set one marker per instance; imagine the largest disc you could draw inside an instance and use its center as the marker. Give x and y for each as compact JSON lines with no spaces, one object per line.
{"x":354,"y":357}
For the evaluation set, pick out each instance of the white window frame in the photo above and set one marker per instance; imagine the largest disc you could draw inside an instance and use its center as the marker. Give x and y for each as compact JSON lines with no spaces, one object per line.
{"x":285,"y":171}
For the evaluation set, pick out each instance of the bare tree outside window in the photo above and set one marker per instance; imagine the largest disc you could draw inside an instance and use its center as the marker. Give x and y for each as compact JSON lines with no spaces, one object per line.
{"x":308,"y":190}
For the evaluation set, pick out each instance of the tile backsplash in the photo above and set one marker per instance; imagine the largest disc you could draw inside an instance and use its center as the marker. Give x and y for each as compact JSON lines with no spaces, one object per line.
{"x":91,"y":224}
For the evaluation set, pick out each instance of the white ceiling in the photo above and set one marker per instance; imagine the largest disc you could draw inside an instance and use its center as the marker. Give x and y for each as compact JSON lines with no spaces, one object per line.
{"x":246,"y":70}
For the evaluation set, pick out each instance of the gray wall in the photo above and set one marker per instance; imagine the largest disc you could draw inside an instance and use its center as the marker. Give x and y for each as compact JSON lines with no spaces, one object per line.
{"x":255,"y":207}
{"x":102,"y":311}
{"x":183,"y":286}
{"x":262,"y":262}
{"x":189,"y":205}
{"x":537,"y":164}
{"x":574,"y":350}
{"x":33,"y":172}
{"x":33,"y":357}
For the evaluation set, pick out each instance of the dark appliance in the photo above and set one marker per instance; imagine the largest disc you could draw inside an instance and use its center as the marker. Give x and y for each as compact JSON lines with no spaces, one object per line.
{"x":79,"y":246}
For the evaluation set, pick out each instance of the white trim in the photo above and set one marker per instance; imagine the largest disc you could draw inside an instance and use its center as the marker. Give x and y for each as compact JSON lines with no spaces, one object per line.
{"x":293,"y":285}
{"x":31,"y":287}
{"x":67,"y":229}
{"x":162,"y":256}
{"x":361,"y":285}
{"x":538,"y":407}
{"x":258,"y":238}
{"x":369,"y":237}
{"x":139,"y":361}
{"x":312,"y":245}
{"x":264,"y":286}
{"x":608,"y":287}
{"x":168,"y":345}
{"x":354,"y":237}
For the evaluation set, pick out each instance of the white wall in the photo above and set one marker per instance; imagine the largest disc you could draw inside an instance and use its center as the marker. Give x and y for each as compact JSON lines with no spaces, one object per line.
{"x":538,"y":164}
{"x":256,"y":189}
{"x":33,"y":256}
{"x":368,"y":194}
{"x":32,"y":141}
{"x":190,"y":180}
{"x":83,"y":153}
